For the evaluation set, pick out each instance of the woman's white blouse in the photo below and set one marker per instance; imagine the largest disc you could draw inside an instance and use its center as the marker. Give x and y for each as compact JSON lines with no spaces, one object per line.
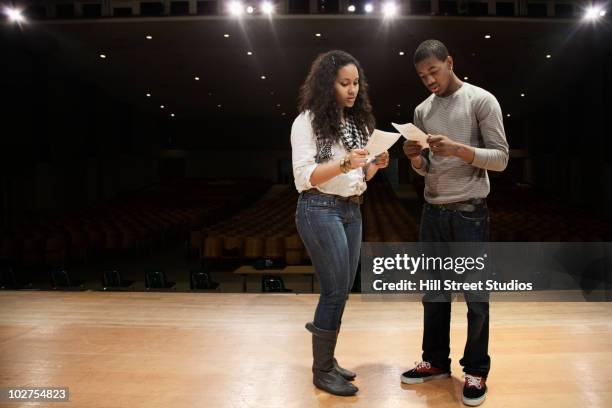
{"x":304,"y":150}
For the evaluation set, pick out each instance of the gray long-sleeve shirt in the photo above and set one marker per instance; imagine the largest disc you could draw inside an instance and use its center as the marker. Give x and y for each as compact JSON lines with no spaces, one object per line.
{"x":471,"y":116}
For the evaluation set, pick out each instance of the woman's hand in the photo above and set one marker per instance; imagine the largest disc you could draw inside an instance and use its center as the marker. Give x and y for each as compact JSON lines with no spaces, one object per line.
{"x":357,"y":158}
{"x":382,"y":160}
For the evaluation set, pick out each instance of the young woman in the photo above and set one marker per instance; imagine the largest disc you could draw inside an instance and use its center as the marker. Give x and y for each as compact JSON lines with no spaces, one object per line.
{"x":331,"y":167}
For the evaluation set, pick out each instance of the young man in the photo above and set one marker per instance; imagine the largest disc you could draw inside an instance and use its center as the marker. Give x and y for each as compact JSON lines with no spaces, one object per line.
{"x":466,"y":138}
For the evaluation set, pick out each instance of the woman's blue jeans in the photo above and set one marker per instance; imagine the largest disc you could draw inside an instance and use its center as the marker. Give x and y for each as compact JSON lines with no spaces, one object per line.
{"x":331,"y":231}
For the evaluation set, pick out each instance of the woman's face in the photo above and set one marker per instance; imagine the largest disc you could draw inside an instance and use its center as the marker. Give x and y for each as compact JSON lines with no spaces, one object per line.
{"x":346,"y":86}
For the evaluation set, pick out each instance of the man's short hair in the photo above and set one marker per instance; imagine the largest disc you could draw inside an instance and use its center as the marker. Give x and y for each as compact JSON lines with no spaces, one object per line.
{"x":430,"y":48}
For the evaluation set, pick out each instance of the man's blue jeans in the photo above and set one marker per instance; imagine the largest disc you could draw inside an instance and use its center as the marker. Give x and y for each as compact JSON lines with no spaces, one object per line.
{"x":442,"y":225}
{"x":331,"y":231}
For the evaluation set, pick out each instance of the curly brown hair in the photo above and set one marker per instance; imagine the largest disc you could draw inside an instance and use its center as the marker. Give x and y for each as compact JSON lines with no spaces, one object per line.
{"x":318,"y":96}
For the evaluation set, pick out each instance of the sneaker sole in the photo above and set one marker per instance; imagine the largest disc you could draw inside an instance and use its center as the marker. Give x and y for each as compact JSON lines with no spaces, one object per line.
{"x":408,"y":380}
{"x":474,"y":402}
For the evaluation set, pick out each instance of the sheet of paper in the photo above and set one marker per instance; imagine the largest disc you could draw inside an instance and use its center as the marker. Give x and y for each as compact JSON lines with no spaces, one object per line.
{"x":380,"y":141}
{"x":411,"y":132}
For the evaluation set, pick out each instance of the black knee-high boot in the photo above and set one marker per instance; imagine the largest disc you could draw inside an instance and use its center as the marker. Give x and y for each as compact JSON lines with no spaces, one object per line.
{"x":348,"y":374}
{"x":325,"y":376}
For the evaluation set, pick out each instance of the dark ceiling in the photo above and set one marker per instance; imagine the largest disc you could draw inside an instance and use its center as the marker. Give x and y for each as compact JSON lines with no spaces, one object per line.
{"x":511,"y":62}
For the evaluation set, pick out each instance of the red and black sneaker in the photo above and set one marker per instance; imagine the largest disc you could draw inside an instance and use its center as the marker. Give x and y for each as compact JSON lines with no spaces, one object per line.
{"x":474,"y":390}
{"x":422,"y":372}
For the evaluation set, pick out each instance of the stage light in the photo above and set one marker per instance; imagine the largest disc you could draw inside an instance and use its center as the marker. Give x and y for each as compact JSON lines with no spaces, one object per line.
{"x":249,"y":53}
{"x":594,"y":13}
{"x":172,"y":114}
{"x":103,"y":56}
{"x":14,"y":15}
{"x":278,"y":105}
{"x":369,"y":8}
{"x":226,"y":35}
{"x":196,"y":78}
{"x":465,"y":78}
{"x":487,"y":36}
{"x":401,"y":53}
{"x":148,"y":95}
{"x":283,"y":114}
{"x":351,"y":9}
{"x":508,"y":115}
{"x":149,"y":37}
{"x":235,"y":8}
{"x":317,"y":34}
{"x":161,"y":106}
{"x":263,"y":77}
{"x":218,"y":106}
{"x":399,"y":106}
{"x":267,"y":7}
{"x":548,"y":56}
{"x":522,"y":95}
{"x":250,"y":9}
{"x":389,"y":9}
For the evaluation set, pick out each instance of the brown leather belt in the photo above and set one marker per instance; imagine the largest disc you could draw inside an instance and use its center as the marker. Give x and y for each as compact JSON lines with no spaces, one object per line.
{"x":356,"y":199}
{"x":466,"y":206}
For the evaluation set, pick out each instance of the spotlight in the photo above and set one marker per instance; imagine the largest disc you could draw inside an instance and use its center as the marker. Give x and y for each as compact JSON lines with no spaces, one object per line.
{"x":250,"y":9}
{"x":389,"y":9}
{"x":351,"y":9}
{"x":465,"y":78}
{"x":196,"y":78}
{"x":249,"y":53}
{"x":317,"y":34}
{"x":488,"y":36}
{"x":594,"y":12}
{"x":369,"y":8}
{"x":149,"y":37}
{"x":14,"y":15}
{"x":401,"y":53}
{"x":548,"y":56}
{"x":235,"y":8}
{"x":226,"y":35}
{"x":103,"y":56}
{"x":148,"y":95}
{"x":522,"y":95}
{"x":172,"y":114}
{"x":263,"y":77}
{"x":508,"y":115}
{"x":267,"y":7}
{"x":161,"y":106}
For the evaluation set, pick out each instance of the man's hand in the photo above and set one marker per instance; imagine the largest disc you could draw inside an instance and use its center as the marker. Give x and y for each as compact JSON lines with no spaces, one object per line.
{"x":412,"y":149}
{"x":441,"y":145}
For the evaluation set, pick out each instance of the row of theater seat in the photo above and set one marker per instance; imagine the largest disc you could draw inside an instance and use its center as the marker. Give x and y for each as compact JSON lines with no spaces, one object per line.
{"x":140,"y":221}
{"x":519,"y":214}
{"x":267,"y":229}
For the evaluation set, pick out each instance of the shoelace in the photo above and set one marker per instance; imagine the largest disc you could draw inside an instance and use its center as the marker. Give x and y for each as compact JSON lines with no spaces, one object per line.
{"x":422,"y":364}
{"x":473,"y":381}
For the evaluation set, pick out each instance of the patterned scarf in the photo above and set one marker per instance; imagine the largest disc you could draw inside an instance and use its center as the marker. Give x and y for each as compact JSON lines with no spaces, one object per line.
{"x":351,"y":137}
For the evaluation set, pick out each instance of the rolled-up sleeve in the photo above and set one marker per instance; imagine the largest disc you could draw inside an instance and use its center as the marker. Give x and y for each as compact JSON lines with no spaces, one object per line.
{"x":303,"y":151}
{"x":494,"y":155}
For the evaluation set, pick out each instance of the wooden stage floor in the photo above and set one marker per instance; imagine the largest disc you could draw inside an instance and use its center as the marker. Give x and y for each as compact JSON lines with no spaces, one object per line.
{"x":191,"y":350}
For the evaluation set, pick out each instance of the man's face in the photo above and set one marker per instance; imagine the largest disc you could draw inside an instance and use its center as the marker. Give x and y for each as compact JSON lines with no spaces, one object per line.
{"x":435,"y":74}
